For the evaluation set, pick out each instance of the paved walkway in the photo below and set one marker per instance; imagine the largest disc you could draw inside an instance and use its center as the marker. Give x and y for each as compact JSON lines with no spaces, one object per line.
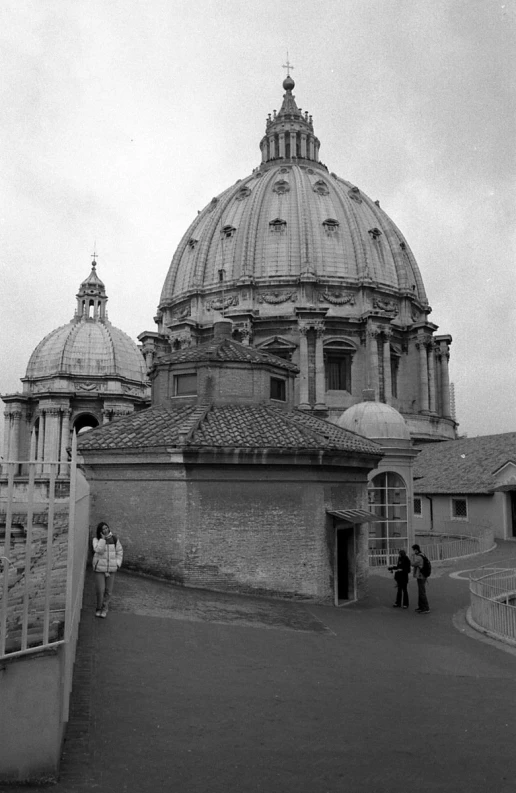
{"x":194,"y":692}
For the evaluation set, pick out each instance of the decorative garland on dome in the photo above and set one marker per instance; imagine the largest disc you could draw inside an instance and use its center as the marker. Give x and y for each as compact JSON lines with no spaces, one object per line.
{"x":337,"y":298}
{"x":218,"y":304}
{"x":277,"y":297}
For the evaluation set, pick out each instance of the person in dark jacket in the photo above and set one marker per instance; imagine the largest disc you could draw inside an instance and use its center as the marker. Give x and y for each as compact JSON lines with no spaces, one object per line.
{"x":107,"y":559}
{"x":401,"y":576}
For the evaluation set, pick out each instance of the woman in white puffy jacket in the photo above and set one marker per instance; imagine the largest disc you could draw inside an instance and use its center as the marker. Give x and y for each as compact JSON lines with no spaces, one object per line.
{"x":107,"y":559}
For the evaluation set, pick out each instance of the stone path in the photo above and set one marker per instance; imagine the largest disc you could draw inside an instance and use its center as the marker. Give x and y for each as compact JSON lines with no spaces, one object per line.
{"x":196,"y":692}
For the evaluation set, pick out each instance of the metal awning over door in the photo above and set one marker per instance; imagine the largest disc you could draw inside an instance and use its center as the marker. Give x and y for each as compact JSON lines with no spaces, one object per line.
{"x":355,"y":515}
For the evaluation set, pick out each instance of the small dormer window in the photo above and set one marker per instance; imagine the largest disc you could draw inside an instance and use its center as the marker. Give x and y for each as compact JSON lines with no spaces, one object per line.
{"x":278,"y":226}
{"x":331,"y":226}
{"x":375,"y":233}
{"x":278,"y":390}
{"x":192,"y":243}
{"x":228,"y":231}
{"x":185,"y":384}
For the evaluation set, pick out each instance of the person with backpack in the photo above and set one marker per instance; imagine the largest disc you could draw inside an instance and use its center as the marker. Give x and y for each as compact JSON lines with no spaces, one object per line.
{"x":401,"y":576}
{"x":107,"y":559}
{"x":422,"y":569}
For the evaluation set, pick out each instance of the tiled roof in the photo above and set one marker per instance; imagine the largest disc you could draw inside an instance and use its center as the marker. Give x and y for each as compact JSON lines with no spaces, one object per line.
{"x":226,"y":350}
{"x":463,"y":466}
{"x":225,"y":426}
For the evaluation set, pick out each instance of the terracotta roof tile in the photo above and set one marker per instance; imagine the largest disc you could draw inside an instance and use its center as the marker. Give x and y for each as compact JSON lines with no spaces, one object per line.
{"x":226,"y":350}
{"x":233,"y":426}
{"x":463,"y":466}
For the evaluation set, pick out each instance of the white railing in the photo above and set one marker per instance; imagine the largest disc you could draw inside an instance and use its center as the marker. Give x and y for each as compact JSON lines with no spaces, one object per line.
{"x":42,"y":564}
{"x":493,"y":601}
{"x":446,"y":546}
{"x":443,"y":547}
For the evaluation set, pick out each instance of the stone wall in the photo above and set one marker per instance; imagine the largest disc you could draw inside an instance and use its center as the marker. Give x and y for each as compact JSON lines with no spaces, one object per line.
{"x":262,"y":529}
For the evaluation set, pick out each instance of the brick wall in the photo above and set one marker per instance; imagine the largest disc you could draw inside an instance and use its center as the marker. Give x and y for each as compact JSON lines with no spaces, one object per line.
{"x":245,"y":528}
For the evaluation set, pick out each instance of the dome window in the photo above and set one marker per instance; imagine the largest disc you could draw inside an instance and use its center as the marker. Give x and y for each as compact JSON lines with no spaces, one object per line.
{"x":375,"y":233}
{"x":278,"y":226}
{"x":321,"y":187}
{"x":354,"y":194}
{"x":331,"y":226}
{"x":243,"y":193}
{"x":281,"y":187}
{"x":228,"y":231}
{"x":192,"y":243}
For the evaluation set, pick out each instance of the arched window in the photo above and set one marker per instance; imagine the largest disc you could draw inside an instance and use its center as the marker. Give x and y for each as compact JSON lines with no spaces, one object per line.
{"x":338,"y":359}
{"x":85,"y":422}
{"x":388,"y":499}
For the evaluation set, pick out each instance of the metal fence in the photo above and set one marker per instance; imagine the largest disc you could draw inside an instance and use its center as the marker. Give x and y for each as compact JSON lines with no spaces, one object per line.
{"x":42,"y":555}
{"x":493,"y":601}
{"x":441,"y":548}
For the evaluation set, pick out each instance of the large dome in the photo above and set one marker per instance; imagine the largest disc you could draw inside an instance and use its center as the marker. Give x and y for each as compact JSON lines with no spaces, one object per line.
{"x":310,"y":268}
{"x":289,"y":220}
{"x":86,"y":347}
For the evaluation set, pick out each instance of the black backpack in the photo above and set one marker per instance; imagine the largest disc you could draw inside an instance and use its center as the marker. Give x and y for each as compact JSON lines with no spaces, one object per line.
{"x":426,"y":569}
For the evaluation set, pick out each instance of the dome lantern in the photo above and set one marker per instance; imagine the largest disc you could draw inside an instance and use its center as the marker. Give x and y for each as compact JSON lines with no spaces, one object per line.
{"x":289,"y":134}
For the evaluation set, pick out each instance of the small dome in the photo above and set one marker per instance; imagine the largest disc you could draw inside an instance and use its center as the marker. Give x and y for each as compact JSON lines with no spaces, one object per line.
{"x":87,"y":348}
{"x":375,"y":420}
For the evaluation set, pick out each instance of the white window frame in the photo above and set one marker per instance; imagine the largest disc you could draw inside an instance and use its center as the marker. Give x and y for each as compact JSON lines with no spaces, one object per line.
{"x":464,"y":519}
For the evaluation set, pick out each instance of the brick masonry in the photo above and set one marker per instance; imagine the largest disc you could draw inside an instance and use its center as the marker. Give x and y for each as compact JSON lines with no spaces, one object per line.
{"x":246,"y":528}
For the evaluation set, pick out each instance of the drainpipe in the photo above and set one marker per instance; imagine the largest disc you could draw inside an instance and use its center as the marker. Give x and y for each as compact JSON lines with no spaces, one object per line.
{"x":431,"y":512}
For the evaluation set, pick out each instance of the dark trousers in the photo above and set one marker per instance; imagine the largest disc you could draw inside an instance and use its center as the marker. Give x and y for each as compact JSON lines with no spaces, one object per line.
{"x":402,"y":591}
{"x":422,"y":600}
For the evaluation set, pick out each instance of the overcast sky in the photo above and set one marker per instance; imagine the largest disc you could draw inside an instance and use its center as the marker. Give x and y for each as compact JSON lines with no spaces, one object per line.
{"x":122,"y":118}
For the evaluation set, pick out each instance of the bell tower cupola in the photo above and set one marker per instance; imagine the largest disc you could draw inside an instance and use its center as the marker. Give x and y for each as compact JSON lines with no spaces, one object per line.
{"x":91,"y":297}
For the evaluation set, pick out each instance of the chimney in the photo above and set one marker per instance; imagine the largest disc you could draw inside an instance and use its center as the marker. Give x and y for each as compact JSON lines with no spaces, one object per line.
{"x":222,"y":330}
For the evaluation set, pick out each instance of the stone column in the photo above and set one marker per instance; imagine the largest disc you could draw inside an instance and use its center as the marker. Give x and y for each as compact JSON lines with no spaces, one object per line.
{"x":303,"y":366}
{"x":387,"y":379}
{"x":423,"y":374}
{"x":272,"y":141}
{"x":14,"y":443}
{"x":65,"y":439}
{"x":282,"y":144}
{"x":7,"y":435}
{"x":51,"y":447}
{"x":41,"y":440}
{"x":293,"y":144}
{"x":372,"y":360}
{"x":303,"y":145}
{"x":431,"y":377}
{"x":445,"y":381}
{"x":320,"y":385}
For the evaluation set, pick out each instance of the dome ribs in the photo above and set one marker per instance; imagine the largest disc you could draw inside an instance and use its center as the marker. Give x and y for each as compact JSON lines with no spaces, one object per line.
{"x":306,"y":263}
{"x":361,"y":263}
